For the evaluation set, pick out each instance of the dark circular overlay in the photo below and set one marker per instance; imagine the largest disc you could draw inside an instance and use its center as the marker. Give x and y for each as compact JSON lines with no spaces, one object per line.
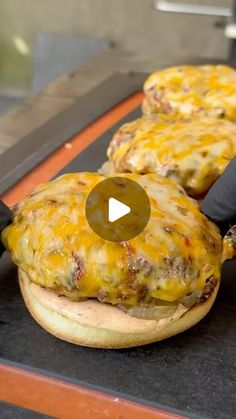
{"x":127,"y":192}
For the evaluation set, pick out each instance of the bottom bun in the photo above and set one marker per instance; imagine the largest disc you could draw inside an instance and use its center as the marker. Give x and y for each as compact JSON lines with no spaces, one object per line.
{"x":98,"y":325}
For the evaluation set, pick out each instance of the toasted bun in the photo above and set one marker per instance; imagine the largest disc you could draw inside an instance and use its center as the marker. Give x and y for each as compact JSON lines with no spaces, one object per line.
{"x":98,"y":325}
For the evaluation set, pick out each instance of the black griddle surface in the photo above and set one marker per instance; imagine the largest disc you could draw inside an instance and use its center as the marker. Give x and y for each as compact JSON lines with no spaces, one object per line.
{"x":9,"y":411}
{"x":194,"y":372}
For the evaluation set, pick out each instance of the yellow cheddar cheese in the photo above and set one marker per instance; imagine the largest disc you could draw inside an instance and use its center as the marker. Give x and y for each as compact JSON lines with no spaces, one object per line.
{"x":208,"y":90}
{"x":192,"y":151}
{"x":174,"y":257}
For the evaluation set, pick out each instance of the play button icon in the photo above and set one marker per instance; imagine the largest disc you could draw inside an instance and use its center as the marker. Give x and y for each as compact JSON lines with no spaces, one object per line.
{"x":117,"y":209}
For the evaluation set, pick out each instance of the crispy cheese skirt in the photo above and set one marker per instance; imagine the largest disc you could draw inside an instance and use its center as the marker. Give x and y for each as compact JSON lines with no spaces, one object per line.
{"x":206,"y":90}
{"x":176,"y":254}
{"x":193,"y":151}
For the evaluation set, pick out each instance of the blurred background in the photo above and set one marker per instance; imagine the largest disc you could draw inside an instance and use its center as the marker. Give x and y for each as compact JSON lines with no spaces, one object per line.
{"x":40,"y":40}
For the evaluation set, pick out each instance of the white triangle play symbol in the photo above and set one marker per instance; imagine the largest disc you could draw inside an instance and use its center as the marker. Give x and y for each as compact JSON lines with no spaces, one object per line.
{"x":116,"y":210}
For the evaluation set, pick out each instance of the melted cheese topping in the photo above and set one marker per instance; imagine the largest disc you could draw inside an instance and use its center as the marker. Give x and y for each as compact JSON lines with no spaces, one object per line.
{"x":207,"y":90}
{"x":193,"y":152}
{"x":50,"y":239}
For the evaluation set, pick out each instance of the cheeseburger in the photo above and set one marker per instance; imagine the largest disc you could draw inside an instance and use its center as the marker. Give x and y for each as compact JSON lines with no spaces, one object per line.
{"x":89,"y":291}
{"x":207,"y":90}
{"x":193,"y":151}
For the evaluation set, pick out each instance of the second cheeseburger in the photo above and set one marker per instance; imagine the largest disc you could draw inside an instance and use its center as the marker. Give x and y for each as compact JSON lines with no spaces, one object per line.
{"x":93,"y":292}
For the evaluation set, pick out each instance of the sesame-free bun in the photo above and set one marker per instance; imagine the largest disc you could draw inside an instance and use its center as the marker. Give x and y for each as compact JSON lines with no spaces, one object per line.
{"x":98,"y":325}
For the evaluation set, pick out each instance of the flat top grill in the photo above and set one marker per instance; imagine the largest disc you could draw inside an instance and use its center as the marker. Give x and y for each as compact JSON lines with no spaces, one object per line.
{"x":192,"y":374}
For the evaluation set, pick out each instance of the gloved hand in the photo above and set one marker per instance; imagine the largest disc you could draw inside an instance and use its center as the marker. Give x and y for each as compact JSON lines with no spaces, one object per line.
{"x":5,"y":219}
{"x":220,"y":202}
